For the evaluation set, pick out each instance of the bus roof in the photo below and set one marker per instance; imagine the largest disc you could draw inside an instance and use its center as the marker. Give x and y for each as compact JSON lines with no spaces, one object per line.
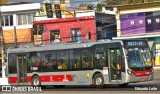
{"x":59,"y":46}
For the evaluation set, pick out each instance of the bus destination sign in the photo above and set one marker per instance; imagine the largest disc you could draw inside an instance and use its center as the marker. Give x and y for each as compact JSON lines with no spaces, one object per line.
{"x":135,"y":43}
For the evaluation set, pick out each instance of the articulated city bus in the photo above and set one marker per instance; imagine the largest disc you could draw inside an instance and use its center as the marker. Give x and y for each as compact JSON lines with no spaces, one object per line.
{"x":95,"y":63}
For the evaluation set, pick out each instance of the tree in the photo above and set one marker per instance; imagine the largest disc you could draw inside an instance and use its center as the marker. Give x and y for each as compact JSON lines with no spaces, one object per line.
{"x":88,"y":5}
{"x":3,"y":2}
{"x":112,"y":2}
{"x":123,"y":2}
{"x":98,"y":7}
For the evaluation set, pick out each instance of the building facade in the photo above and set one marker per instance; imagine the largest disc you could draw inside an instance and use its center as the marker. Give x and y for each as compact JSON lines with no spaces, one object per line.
{"x":67,"y":28}
{"x":16,"y":22}
{"x":3,"y":2}
{"x":106,"y":26}
{"x":66,"y":2}
{"x":140,"y":21}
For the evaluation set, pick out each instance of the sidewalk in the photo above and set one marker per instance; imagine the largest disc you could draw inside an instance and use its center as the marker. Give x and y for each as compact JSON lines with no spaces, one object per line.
{"x":157,"y":69}
{"x":4,"y":81}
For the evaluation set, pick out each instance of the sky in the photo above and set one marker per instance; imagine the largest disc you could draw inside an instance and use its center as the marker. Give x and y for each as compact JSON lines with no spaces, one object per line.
{"x":74,"y":3}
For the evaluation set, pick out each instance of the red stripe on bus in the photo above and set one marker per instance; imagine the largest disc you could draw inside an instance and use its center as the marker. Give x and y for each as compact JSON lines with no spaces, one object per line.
{"x":45,"y":78}
{"x":69,"y":77}
{"x":29,"y":78}
{"x":12,"y":79}
{"x":55,"y":78}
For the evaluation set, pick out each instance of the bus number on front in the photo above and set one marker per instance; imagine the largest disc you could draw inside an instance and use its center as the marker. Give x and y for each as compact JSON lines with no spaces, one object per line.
{"x":135,"y":43}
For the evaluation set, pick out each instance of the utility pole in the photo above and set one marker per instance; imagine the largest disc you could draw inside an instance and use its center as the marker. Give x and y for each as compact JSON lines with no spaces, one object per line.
{"x":15,"y":37}
{"x":2,"y":44}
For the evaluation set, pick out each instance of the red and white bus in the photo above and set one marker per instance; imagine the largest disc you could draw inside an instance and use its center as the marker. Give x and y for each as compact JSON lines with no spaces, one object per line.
{"x":87,"y":63}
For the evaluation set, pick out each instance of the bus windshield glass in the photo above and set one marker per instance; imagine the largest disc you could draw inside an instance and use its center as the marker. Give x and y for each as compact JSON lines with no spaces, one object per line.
{"x":139,"y":58}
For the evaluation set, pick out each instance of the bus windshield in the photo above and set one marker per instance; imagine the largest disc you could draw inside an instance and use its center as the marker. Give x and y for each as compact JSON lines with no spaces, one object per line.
{"x":139,"y":58}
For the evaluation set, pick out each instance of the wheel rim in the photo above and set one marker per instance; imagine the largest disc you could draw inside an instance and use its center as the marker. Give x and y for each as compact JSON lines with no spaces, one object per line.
{"x":98,"y":81}
{"x":36,"y":82}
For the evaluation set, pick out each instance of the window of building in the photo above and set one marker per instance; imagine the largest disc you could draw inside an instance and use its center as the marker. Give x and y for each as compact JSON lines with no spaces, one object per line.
{"x":55,"y":36}
{"x":7,"y":20}
{"x":24,"y":19}
{"x":75,"y":34}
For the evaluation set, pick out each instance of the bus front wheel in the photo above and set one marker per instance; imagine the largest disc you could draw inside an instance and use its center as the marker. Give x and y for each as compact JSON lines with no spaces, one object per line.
{"x":36,"y":81}
{"x":98,"y":81}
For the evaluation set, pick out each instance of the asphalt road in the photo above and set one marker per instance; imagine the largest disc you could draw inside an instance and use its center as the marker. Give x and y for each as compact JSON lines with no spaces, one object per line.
{"x":152,"y":87}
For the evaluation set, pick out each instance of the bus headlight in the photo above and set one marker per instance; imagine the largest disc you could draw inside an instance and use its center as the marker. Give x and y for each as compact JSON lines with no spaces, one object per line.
{"x":130,"y":72}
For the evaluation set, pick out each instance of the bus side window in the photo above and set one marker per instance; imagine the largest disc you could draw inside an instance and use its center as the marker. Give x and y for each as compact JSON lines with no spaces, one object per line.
{"x":64,"y":64}
{"x":59,"y":64}
{"x":62,"y":58}
{"x":100,"y":57}
{"x":54,"y":66}
{"x":31,"y":61}
{"x":86,"y":58}
{"x":77,"y":59}
{"x":71,"y":63}
{"x":85,"y":63}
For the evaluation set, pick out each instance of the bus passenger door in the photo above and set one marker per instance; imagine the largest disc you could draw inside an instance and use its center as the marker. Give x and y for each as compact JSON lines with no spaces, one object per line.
{"x":22,"y":68}
{"x":115,"y":64}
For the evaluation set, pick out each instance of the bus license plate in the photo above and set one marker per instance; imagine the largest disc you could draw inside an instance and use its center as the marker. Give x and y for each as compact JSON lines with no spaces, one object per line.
{"x":142,"y":79}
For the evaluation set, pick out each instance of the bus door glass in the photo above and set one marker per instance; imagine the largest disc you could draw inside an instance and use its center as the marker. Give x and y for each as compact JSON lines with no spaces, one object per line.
{"x":115,"y":64}
{"x":22,"y":68}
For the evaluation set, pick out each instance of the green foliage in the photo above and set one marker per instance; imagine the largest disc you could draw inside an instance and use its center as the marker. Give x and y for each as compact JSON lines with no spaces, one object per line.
{"x":123,"y":2}
{"x":113,"y":2}
{"x":98,"y":7}
{"x":149,"y":0}
{"x":86,"y":4}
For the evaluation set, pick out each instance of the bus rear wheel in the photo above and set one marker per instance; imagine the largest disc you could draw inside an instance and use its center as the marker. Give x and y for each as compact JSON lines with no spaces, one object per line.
{"x":36,"y":81}
{"x":98,"y":81}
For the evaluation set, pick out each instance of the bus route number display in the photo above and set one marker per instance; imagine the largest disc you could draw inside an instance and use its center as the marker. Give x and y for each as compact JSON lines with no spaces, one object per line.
{"x":135,"y":43}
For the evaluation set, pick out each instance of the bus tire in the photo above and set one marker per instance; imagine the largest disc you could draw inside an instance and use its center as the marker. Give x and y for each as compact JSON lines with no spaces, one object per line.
{"x":36,"y":81}
{"x":98,"y":81}
{"x":123,"y":85}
